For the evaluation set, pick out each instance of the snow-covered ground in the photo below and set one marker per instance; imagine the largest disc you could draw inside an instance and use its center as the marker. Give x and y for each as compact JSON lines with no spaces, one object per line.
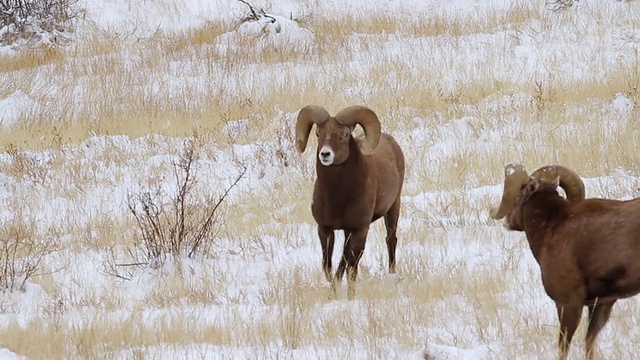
{"x":466,"y":289}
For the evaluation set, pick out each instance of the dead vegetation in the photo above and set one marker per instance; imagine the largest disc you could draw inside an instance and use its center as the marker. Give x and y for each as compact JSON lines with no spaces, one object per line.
{"x":182,"y":223}
{"x":37,"y":22}
{"x":22,"y":248}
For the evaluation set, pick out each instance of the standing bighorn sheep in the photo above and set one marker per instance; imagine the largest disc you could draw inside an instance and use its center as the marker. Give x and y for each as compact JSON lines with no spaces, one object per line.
{"x":358,"y":181}
{"x":588,"y":250}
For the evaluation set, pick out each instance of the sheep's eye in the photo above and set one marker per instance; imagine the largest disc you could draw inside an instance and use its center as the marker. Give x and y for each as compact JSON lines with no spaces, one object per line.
{"x":344,"y":136}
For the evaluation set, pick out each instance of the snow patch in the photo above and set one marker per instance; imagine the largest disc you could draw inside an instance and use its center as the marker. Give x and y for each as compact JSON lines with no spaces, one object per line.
{"x":433,"y":351}
{"x":26,"y":303}
{"x":622,"y":104}
{"x":16,"y":106}
{"x":6,"y":354}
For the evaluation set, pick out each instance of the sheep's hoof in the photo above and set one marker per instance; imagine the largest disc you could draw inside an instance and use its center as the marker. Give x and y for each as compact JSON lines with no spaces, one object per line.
{"x":391,"y":278}
{"x":328,"y":276}
{"x":351,"y":291}
{"x":333,"y":292}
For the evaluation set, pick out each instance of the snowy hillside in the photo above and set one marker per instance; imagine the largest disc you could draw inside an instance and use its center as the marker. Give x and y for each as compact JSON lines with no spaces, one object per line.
{"x":464,"y":86}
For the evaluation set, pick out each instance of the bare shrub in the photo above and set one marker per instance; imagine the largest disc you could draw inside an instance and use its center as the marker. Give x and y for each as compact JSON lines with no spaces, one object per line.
{"x":259,"y":15}
{"x":559,"y":5}
{"x":36,"y":20}
{"x":268,"y":22}
{"x":254,"y":15}
{"x":21,"y":249}
{"x":182,"y":225}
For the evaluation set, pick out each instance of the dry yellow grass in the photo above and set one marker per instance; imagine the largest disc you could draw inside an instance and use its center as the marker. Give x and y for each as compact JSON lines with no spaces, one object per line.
{"x":100,"y":67}
{"x":178,"y":84}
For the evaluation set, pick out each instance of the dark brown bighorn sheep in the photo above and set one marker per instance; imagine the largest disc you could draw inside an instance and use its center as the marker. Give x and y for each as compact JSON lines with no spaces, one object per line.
{"x":357,"y":182}
{"x":588,"y":250}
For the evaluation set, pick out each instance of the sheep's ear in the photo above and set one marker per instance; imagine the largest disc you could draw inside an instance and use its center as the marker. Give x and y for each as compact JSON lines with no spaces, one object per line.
{"x":532,"y":186}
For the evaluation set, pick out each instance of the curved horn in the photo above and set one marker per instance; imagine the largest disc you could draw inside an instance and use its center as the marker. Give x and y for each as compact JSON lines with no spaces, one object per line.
{"x":569,"y":180}
{"x":352,"y":115}
{"x":515,"y":175}
{"x":309,"y":115}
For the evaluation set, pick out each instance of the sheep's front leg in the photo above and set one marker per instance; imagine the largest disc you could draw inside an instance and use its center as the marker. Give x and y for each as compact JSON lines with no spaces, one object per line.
{"x":327,"y":239}
{"x":353,"y":249}
{"x":598,"y":317}
{"x":569,"y":316}
{"x":342,"y":266}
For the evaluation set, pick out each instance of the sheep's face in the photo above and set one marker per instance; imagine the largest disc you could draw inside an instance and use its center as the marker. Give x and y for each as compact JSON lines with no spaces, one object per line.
{"x":333,"y":142}
{"x":514,"y":220}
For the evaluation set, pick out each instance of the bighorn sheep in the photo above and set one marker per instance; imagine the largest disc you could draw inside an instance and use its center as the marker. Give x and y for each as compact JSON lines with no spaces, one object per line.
{"x":357,"y":182}
{"x":588,"y":250}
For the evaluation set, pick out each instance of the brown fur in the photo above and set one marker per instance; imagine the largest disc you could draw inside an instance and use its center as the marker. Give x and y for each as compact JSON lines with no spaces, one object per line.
{"x":353,"y":192}
{"x":588,"y":252}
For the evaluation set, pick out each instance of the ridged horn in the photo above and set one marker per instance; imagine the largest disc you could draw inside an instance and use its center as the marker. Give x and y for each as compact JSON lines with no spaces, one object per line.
{"x":309,"y":115}
{"x":356,"y":114}
{"x":569,"y":180}
{"x":515,"y":175}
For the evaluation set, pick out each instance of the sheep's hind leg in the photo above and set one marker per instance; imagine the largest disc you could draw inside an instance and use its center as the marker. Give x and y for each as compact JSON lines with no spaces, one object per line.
{"x":598,"y":317}
{"x":391,"y":223}
{"x":569,"y":316}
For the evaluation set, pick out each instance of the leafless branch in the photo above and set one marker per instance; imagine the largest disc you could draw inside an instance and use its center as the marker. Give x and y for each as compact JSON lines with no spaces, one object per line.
{"x":273,"y":20}
{"x":210,"y":218}
{"x":253,"y":16}
{"x":176,"y":224}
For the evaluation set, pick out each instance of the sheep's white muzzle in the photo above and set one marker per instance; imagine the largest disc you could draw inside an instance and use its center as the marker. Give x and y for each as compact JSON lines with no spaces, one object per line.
{"x":326,"y":156}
